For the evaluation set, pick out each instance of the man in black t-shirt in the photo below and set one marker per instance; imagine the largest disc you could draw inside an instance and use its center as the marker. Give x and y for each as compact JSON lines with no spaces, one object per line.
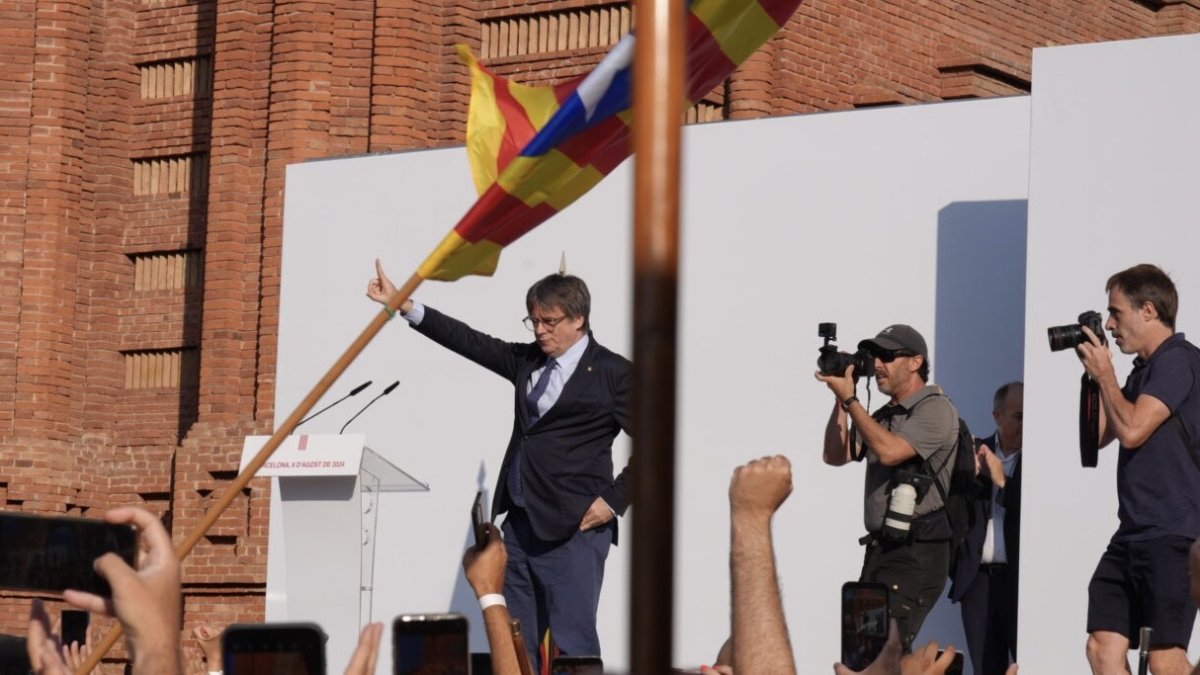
{"x":1142,"y":578}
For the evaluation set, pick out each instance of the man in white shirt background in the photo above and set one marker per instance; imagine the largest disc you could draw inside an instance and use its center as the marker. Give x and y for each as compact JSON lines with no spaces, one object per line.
{"x":985,"y":580}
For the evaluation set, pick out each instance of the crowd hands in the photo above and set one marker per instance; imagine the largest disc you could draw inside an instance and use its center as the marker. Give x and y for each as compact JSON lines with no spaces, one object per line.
{"x":147,"y":601}
{"x":760,"y":637}
{"x":759,"y":642}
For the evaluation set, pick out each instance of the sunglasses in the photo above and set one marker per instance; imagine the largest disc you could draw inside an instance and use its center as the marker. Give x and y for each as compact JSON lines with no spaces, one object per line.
{"x":889,"y":356}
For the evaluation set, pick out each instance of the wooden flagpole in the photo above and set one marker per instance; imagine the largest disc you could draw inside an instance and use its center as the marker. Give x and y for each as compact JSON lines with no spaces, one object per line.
{"x":658,"y":96}
{"x":285,"y":430}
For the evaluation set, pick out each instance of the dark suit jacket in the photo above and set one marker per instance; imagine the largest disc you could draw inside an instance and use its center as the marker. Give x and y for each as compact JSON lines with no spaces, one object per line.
{"x":967,"y":565}
{"x":567,"y":459}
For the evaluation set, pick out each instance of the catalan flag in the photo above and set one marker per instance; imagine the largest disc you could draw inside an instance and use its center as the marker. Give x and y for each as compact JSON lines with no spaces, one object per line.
{"x":535,"y":150}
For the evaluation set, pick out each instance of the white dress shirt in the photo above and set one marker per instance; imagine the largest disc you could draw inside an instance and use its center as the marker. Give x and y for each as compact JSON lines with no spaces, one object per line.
{"x":994,"y":550}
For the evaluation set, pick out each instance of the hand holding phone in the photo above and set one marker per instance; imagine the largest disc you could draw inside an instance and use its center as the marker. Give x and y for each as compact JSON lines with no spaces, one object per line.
{"x":147,"y":600}
{"x":54,"y":553}
{"x":478,"y":524}
{"x":484,"y":567}
{"x":74,"y":626}
{"x":956,"y":661}
{"x":864,"y":623}
{"x":270,"y":648}
{"x":430,"y":644}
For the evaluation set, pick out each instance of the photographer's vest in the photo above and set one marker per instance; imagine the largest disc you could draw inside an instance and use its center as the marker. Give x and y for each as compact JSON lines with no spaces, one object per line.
{"x":930,"y":522}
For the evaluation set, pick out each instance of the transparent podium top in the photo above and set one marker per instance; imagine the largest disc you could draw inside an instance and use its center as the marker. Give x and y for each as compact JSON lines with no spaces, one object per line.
{"x":380,"y":475}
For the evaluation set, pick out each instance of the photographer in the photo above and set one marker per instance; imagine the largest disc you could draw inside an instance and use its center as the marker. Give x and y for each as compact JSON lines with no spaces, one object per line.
{"x":1142,"y":578}
{"x":907,"y":444}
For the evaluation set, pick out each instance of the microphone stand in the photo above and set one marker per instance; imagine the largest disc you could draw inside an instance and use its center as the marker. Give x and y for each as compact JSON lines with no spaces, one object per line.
{"x":385,"y":392}
{"x":353,"y":392}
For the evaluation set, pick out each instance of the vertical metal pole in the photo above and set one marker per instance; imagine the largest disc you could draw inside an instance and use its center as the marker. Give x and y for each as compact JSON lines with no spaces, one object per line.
{"x":658,"y":108}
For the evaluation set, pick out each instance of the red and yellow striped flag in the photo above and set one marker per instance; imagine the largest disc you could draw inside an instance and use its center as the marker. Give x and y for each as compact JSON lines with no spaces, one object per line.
{"x":535,"y":150}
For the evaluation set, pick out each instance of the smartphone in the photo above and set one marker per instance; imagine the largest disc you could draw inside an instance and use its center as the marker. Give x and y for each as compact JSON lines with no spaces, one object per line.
{"x":956,"y":664}
{"x":430,"y":644}
{"x":577,"y":665}
{"x":477,"y":522}
{"x":273,"y":648}
{"x":54,"y":553}
{"x":864,"y":623}
{"x":74,"y":626}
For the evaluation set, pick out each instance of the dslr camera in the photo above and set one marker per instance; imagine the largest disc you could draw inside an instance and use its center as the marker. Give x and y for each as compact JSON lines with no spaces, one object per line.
{"x":833,"y":362}
{"x":909,"y":488}
{"x":1067,"y":337}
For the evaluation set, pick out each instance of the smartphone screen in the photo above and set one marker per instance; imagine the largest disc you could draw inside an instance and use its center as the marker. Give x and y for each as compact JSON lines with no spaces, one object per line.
{"x":477,"y":521}
{"x":864,"y":623}
{"x":430,"y":644}
{"x":273,"y":649}
{"x":74,"y":626}
{"x":54,"y":553}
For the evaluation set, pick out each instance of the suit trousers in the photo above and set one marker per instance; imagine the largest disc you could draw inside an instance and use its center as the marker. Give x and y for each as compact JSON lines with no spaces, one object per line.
{"x":989,"y":616}
{"x":555,"y":585}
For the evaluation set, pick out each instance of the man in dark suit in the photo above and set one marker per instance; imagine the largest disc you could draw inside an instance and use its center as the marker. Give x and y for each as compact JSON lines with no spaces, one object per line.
{"x":556,"y":481}
{"x":985,"y":579}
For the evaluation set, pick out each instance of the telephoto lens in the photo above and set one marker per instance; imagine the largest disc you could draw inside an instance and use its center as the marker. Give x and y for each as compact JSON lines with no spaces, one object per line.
{"x":1065,"y":337}
{"x":898,"y":520}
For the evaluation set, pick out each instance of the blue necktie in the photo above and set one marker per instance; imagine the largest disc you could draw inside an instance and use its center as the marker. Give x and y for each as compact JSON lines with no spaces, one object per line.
{"x":539,"y":388}
{"x":515,"y":487}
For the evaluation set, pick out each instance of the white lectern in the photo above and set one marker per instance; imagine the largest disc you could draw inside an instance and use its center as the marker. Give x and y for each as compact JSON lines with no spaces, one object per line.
{"x":329,"y":487}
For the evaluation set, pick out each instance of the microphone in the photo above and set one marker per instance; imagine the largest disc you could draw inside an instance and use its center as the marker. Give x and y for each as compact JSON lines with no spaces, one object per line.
{"x":353,"y":392}
{"x":390,"y":388}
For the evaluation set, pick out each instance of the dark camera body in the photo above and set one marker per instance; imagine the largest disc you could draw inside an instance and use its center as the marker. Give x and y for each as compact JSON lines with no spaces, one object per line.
{"x":1067,"y":337}
{"x":919,"y":480}
{"x":909,"y":487}
{"x":833,"y":362}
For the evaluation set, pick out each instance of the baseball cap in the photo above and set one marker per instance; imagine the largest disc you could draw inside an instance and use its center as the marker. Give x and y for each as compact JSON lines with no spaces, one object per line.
{"x":896,"y":337}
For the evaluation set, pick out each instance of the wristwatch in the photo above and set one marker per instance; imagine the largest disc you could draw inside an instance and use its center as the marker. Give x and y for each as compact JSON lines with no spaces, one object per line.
{"x":846,"y":404}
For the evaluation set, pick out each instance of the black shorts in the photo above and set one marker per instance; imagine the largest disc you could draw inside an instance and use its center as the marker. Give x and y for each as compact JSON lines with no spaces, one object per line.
{"x":1144,"y":583}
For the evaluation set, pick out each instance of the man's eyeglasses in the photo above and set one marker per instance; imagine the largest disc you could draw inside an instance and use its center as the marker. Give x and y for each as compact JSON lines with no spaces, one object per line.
{"x":532,"y":323}
{"x":888,"y":357}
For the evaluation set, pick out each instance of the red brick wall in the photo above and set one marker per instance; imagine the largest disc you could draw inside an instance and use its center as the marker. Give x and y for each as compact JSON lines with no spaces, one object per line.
{"x":87,"y":126}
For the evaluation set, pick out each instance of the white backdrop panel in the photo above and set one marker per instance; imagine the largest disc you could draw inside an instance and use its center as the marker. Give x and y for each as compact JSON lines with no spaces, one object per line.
{"x":1113,"y":183}
{"x":865,"y":218}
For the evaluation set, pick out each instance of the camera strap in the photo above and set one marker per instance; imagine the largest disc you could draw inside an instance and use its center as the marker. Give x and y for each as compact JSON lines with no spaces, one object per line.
{"x":927,"y":465}
{"x":1089,"y":421}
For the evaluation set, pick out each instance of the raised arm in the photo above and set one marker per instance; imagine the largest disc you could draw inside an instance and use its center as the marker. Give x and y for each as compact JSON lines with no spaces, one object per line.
{"x":1130,"y":422}
{"x":760,"y":635}
{"x":891,"y":448}
{"x":484,"y":569}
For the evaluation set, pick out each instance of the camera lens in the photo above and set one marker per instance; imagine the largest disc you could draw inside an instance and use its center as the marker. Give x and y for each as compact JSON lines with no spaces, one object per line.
{"x":1064,"y":337}
{"x":901,"y":504}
